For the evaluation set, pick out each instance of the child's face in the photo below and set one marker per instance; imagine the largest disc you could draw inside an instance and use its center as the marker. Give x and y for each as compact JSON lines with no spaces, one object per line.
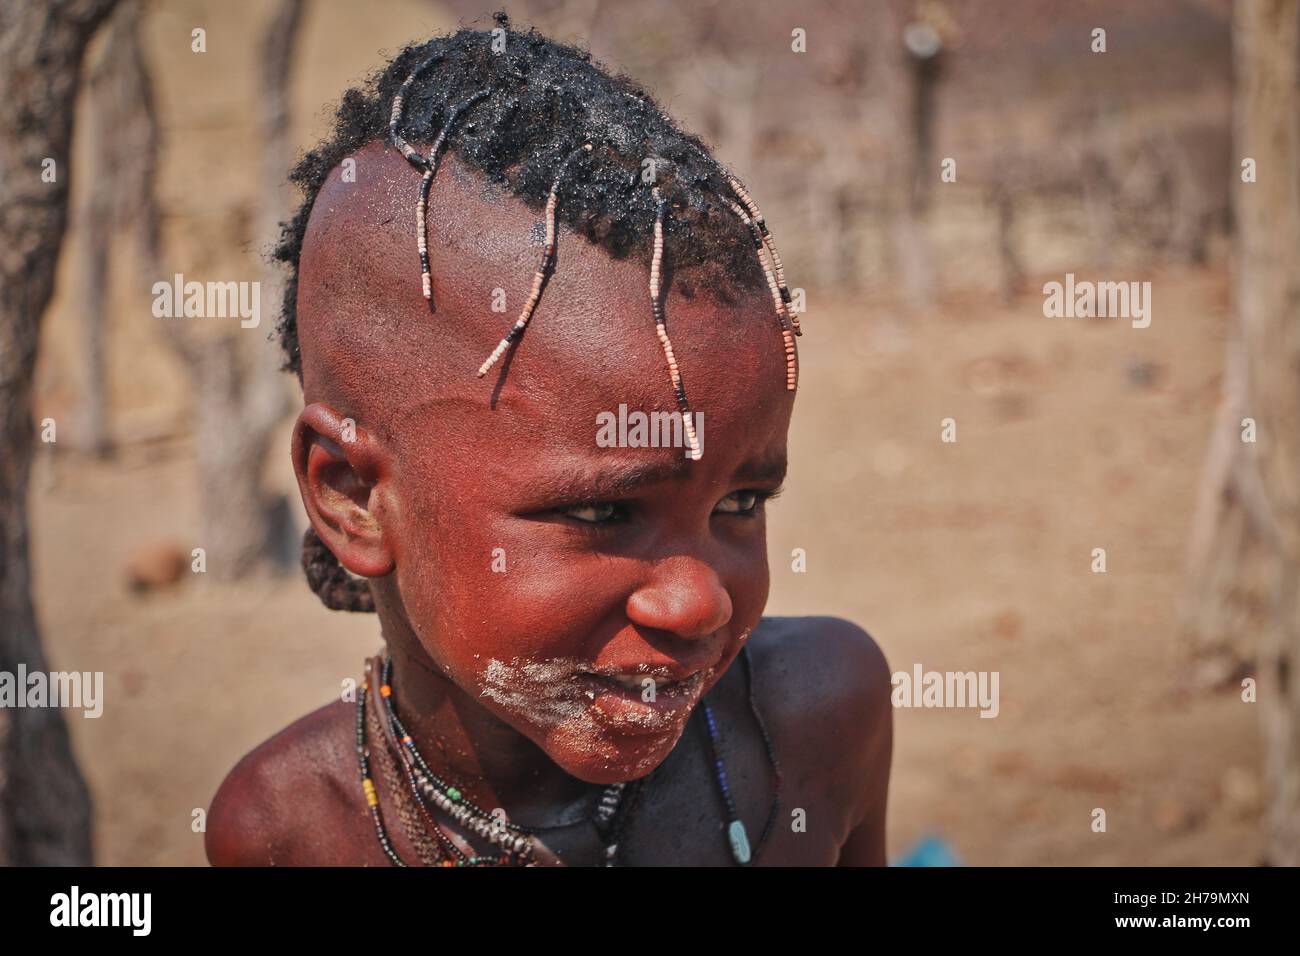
{"x":539,"y":570}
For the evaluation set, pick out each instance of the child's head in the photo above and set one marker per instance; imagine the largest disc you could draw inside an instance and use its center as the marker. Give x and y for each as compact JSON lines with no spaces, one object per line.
{"x":500,"y":536}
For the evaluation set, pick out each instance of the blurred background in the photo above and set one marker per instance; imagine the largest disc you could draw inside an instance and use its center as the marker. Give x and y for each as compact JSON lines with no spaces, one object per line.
{"x":1119,"y":690}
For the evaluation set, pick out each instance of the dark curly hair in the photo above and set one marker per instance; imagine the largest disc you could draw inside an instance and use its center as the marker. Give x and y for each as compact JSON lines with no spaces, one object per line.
{"x":545,"y":99}
{"x":519,"y":107}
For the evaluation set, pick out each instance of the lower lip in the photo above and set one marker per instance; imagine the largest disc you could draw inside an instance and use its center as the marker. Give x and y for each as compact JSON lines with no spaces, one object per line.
{"x":623,"y":708}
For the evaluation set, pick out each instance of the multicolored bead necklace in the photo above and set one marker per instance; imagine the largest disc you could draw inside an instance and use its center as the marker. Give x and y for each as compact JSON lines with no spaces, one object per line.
{"x":517,"y":841}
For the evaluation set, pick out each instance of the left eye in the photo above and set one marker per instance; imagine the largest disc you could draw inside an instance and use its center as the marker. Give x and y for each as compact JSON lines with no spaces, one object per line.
{"x":739,"y":503}
{"x":598,"y":512}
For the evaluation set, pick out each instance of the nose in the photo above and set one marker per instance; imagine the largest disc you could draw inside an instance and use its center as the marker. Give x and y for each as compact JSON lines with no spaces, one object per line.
{"x":684,"y":597}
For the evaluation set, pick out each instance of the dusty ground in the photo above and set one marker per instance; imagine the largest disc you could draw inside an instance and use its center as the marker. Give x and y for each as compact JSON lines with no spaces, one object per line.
{"x":1072,"y":435}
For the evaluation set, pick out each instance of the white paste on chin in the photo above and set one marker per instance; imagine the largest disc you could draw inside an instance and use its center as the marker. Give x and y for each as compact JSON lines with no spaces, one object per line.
{"x":550,"y":694}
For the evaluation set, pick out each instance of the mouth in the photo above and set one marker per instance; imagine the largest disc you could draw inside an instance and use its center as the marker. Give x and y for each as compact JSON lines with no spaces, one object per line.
{"x":642,"y":703}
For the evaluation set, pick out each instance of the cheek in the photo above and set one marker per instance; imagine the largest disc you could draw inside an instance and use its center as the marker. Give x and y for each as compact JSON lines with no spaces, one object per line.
{"x":542,"y":605}
{"x":747,"y":578}
{"x":479,"y":588}
{"x":446,"y":575}
{"x":748,"y":582}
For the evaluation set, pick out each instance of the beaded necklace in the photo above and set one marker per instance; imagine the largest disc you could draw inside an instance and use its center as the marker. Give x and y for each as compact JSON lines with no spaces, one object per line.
{"x":518,"y":841}
{"x":737,"y":836}
{"x":610,"y":816}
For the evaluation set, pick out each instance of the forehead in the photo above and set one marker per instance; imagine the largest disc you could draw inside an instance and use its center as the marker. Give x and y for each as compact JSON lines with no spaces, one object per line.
{"x":371,"y":341}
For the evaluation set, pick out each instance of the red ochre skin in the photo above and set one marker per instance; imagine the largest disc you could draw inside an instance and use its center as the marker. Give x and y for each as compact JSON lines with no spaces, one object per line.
{"x":446,"y":467}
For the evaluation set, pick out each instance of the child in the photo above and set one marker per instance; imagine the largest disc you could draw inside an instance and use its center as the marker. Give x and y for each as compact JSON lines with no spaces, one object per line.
{"x":577,"y":671}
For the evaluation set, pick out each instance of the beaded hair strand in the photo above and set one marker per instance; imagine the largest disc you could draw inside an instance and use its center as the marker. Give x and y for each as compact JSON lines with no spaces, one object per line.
{"x":774,"y":272}
{"x":657,"y":306}
{"x":543,"y":270}
{"x":422,"y":204}
{"x":778,"y":302}
{"x":395,"y":117}
{"x":756,"y":218}
{"x":428,"y":166}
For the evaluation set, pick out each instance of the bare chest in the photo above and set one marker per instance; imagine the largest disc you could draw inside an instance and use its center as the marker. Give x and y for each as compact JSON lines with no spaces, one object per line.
{"x":682,"y":817}
{"x":686,"y":820}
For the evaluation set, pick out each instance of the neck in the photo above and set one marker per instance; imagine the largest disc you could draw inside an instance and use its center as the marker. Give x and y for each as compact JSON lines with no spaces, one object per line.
{"x":469,"y":746}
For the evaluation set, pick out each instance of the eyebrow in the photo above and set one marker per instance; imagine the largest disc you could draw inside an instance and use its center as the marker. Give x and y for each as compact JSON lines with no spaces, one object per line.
{"x":621,"y":480}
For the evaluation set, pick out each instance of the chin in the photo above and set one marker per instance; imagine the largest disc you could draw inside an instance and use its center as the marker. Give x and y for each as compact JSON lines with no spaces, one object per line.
{"x":610,"y":758}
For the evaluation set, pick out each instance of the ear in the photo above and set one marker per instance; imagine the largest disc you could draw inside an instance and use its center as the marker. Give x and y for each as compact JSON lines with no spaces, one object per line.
{"x":341,"y":469}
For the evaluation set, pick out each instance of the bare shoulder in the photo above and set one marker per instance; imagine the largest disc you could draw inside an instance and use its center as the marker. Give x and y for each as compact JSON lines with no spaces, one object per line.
{"x":274,"y":804}
{"x":822,"y":667}
{"x":824,"y":684}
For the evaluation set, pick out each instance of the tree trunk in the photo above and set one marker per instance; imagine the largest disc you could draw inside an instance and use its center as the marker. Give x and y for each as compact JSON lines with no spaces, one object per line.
{"x":1002,"y":196}
{"x":45,"y":804}
{"x":907,"y":72}
{"x":121,"y":128}
{"x":1244,"y":595}
{"x":1228,"y":597}
{"x":239,"y":391}
{"x":1267,"y":293}
{"x":92,"y":234}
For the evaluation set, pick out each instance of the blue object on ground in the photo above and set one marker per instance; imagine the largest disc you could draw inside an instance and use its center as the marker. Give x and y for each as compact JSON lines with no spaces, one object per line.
{"x":930,"y":851}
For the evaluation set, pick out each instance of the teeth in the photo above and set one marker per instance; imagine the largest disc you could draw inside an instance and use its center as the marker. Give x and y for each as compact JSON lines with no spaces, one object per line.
{"x":633,"y":681}
{"x":637,"y":681}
